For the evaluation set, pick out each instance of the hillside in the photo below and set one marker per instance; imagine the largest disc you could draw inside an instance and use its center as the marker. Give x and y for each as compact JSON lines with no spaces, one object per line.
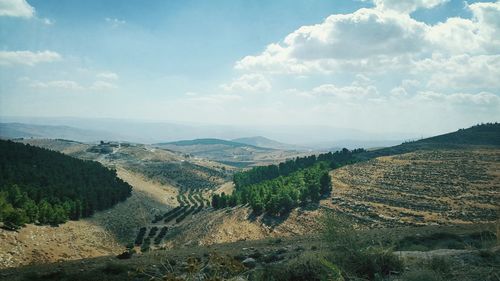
{"x":432,"y":186}
{"x":453,"y":185}
{"x":229,"y":152}
{"x":424,"y":187}
{"x":265,"y":142}
{"x":482,"y":135}
{"x":47,"y":187}
{"x":105,"y":233}
{"x":22,"y":130}
{"x":206,"y":142}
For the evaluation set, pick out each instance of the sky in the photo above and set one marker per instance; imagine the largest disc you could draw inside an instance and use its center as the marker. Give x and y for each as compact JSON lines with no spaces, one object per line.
{"x":421,"y":66}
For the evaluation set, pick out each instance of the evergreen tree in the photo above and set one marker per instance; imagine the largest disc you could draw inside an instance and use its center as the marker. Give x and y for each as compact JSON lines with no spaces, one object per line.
{"x":325,"y":183}
{"x":50,"y":187}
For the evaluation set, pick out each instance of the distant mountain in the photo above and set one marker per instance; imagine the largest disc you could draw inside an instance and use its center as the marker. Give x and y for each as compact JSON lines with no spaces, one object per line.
{"x":268,"y":143}
{"x":21,"y":130}
{"x":209,"y":141}
{"x":229,"y":152}
{"x":143,"y":131}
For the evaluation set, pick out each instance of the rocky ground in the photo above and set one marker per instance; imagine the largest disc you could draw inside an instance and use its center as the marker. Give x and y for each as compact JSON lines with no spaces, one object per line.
{"x":241,"y":260}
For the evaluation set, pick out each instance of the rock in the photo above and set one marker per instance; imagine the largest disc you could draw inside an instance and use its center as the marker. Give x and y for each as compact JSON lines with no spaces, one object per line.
{"x":249,"y":262}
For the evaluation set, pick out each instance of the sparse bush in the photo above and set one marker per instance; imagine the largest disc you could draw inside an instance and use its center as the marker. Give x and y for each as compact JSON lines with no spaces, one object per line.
{"x":140,"y":236}
{"x":175,"y":213}
{"x":152,"y":231}
{"x":422,"y":275}
{"x":145,"y":246}
{"x":114,"y":268}
{"x":308,"y":267}
{"x":160,"y":236}
{"x":440,"y":264}
{"x":352,"y":256}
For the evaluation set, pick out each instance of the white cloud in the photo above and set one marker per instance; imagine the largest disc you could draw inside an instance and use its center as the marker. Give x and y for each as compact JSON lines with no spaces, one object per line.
{"x":214,"y":99}
{"x":346,"y":93}
{"x":386,"y":67}
{"x":479,"y":99}
{"x":103,"y":86}
{"x":248,"y":83}
{"x":108,"y":76}
{"x":460,"y":72}
{"x":57,"y":84}
{"x":47,"y":21}
{"x":16,"y":8}
{"x":68,"y":85}
{"x":371,"y":40}
{"x":407,"y":6}
{"x":115,"y":22}
{"x":478,"y":35}
{"x":27,"y":57}
{"x":365,"y":37}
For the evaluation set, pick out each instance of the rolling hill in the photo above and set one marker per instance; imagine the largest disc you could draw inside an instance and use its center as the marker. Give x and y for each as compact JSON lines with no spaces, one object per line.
{"x":47,"y":187}
{"x":22,"y":130}
{"x":451,"y":179}
{"x":479,"y":135}
{"x":267,"y":143}
{"x":229,"y":152}
{"x":209,"y":141}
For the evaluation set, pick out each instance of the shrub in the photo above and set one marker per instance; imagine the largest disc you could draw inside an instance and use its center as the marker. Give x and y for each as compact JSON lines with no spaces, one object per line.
{"x":352,"y":256}
{"x":308,"y":267}
{"x":439,"y":264}
{"x":114,"y":268}
{"x":140,"y":236}
{"x":421,"y":275}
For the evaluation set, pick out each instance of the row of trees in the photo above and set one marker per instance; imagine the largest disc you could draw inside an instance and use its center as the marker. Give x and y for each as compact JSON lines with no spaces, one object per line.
{"x":263,"y":173}
{"x":280,"y":195}
{"x":47,"y":187}
{"x":277,"y":189}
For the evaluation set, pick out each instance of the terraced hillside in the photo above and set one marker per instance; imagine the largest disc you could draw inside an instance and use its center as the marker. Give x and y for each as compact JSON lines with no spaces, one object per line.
{"x":153,"y":234}
{"x":422,"y":187}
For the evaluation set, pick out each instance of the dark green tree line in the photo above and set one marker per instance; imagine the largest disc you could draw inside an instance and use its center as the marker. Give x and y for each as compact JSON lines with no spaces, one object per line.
{"x":47,"y":187}
{"x":277,"y":189}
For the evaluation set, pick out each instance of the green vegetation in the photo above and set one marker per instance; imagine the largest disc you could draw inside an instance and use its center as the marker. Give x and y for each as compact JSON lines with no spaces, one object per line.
{"x":446,"y":240}
{"x":208,"y":142}
{"x":355,"y":257}
{"x":309,"y":267}
{"x":277,"y":189}
{"x":42,"y":186}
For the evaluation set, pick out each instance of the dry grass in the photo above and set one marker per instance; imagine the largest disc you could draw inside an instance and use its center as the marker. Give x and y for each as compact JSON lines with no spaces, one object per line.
{"x":441,"y":186}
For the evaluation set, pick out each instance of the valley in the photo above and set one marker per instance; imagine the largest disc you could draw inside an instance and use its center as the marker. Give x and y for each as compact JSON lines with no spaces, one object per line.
{"x":169,"y":210}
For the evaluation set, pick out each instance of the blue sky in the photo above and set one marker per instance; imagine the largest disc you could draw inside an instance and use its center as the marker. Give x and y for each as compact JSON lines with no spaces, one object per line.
{"x":418,"y":66}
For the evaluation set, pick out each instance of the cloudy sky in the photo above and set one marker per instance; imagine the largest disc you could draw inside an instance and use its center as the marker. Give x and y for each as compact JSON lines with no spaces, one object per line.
{"x":421,"y":66}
